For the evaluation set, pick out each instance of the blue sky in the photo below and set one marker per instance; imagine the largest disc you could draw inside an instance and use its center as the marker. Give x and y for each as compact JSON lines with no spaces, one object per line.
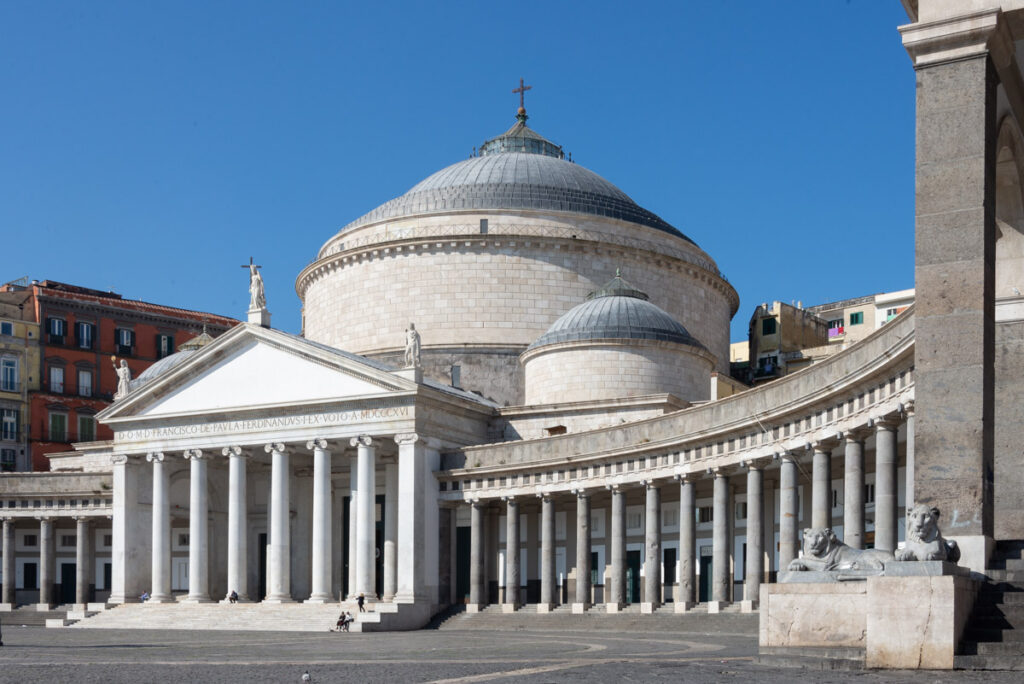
{"x":152,"y":147}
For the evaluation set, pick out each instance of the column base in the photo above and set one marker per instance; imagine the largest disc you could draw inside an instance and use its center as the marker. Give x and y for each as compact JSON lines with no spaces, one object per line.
{"x":95,"y":607}
{"x":614,"y":607}
{"x":717,"y":606}
{"x":240,"y":599}
{"x":320,"y":598}
{"x":195,"y":599}
{"x":648,"y":608}
{"x":474,"y":607}
{"x":509,"y":607}
{"x":6,"y":607}
{"x":545,"y":607}
{"x":279,"y":599}
{"x":579,"y":608}
{"x":44,"y":606}
{"x":748,"y":606}
{"x":161,"y":598}
{"x":684,"y":606}
{"x":387,"y":598}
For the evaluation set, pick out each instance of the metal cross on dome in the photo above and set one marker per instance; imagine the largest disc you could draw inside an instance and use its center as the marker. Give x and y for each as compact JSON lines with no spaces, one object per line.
{"x":250,"y":265}
{"x":521,"y":90}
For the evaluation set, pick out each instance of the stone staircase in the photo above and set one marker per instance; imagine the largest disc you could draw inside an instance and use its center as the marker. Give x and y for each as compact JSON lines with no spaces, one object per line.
{"x":492,"y":617}
{"x":994,"y":639}
{"x":30,"y":616}
{"x":283,"y":617}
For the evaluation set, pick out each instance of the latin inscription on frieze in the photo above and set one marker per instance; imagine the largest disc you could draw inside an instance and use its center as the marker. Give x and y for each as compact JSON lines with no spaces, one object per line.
{"x":262,"y":424}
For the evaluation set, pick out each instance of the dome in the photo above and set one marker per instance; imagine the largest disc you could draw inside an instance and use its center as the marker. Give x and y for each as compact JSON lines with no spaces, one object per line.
{"x":616,"y":311}
{"x":518,"y":170}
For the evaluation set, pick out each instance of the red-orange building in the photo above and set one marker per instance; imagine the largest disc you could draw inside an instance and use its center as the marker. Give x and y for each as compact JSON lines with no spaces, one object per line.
{"x":80,"y":330}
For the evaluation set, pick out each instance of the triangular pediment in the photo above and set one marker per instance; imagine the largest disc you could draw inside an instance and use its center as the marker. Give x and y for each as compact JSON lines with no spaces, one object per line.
{"x":250,"y":367}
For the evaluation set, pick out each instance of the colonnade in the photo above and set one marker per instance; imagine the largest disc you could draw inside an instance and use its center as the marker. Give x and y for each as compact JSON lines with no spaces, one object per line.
{"x":789,"y":464}
{"x":362,"y":533}
{"x":84,"y":560}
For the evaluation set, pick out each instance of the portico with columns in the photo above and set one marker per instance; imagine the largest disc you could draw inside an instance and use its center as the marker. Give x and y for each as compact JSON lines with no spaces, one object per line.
{"x":319,"y":487}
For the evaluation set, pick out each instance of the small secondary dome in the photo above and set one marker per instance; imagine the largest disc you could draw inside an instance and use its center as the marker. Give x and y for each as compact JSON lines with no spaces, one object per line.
{"x":616,"y":311}
{"x":172,"y":361}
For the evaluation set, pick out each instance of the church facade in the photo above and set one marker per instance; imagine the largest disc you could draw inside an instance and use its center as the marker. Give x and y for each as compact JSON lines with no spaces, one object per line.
{"x":549,"y":441}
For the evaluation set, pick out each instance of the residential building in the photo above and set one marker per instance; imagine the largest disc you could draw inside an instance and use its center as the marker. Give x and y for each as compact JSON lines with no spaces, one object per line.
{"x":79,"y":331}
{"x":777,"y":336}
{"x":19,"y":363}
{"x":851,"y":320}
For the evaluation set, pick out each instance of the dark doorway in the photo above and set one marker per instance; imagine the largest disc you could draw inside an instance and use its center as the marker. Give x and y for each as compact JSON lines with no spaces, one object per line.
{"x":633,"y":576}
{"x":108,"y":575}
{"x":705,"y":579}
{"x":669,"y":568}
{"x":31,"y":574}
{"x":261,"y":545}
{"x":462,"y":548}
{"x":378,"y":547}
{"x":346,"y":525}
{"x":67,"y":583}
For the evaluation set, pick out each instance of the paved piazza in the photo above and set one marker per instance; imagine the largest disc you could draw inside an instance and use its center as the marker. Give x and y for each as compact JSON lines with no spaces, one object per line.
{"x":528,"y":655}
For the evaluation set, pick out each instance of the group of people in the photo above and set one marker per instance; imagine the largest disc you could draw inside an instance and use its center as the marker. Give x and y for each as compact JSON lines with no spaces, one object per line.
{"x":346,"y":619}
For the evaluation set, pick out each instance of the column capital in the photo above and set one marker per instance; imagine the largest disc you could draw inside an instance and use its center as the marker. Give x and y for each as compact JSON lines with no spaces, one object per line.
{"x":961,"y":37}
{"x":405,"y":438}
{"x":650,"y":483}
{"x":155,"y":457}
{"x":509,"y":499}
{"x":827,"y":441}
{"x":82,"y":518}
{"x":759,"y":463}
{"x":886,"y":422}
{"x":275,"y":447}
{"x":317,"y":443}
{"x":235,"y":451}
{"x":906,"y":408}
{"x":857,"y":434}
{"x":121,"y":459}
{"x":362,"y":441}
{"x":46,"y":518}
{"x":195,"y":455}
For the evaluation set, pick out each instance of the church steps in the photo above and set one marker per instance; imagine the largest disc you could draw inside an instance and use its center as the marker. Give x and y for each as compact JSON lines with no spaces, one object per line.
{"x":994,"y":639}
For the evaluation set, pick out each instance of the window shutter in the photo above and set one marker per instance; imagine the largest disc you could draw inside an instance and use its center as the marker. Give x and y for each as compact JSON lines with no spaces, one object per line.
{"x":131,"y":338}
{"x":170,"y":344}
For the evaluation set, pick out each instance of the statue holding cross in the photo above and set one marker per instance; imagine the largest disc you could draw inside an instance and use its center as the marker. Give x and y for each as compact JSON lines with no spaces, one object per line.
{"x":257,"y":297}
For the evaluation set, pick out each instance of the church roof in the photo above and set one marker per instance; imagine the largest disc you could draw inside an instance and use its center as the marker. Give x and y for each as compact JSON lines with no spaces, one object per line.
{"x":519,"y":169}
{"x":616,"y":311}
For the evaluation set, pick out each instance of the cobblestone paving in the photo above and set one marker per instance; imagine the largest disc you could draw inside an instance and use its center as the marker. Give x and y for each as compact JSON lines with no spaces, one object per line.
{"x":458,"y":657}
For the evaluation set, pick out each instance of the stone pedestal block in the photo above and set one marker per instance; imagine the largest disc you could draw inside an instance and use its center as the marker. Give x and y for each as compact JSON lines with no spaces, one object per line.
{"x":473,"y":607}
{"x":648,"y":608}
{"x":614,"y":607}
{"x":748,"y":606}
{"x":508,"y":607}
{"x":6,"y":607}
{"x":545,"y":607}
{"x":579,"y":608}
{"x":717,"y":606}
{"x":684,"y":606}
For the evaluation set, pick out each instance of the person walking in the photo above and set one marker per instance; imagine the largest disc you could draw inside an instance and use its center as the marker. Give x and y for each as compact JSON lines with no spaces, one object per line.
{"x":361,"y":601}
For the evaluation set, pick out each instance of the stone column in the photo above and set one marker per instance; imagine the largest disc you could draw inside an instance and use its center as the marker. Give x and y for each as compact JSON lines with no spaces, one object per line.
{"x":353,"y":515}
{"x":687,"y":546}
{"x":789,"y":513}
{"x":83,"y":561}
{"x":366,"y":522}
{"x":583,"y":588}
{"x":238,"y":525}
{"x":652,"y":549}
{"x":477,"y":596}
{"x":853,"y":492}
{"x":617,"y":589}
{"x":417,"y":546}
{"x":547,"y":554}
{"x":279,"y":577}
{"x":511,"y":555}
{"x":821,"y":486}
{"x":886,"y":513}
{"x":721,"y":578}
{"x":7,"y":598}
{"x":321,"y":559}
{"x":198,"y":529}
{"x":47,"y":553}
{"x":390,"y":531}
{"x":755,"y":537}
{"x":958,"y":113}
{"x":908,"y":412}
{"x":160,"y":582}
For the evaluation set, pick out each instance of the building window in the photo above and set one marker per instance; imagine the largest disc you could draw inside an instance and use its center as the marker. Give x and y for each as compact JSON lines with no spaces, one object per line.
{"x":869,"y":493}
{"x":68,"y":539}
{"x":86,"y":334}
{"x":58,"y":427}
{"x":57,"y":329}
{"x":741,"y":510}
{"x":57,"y":379}
{"x":86,"y":429}
{"x":6,"y":328}
{"x":84,"y":383}
{"x":30,"y":541}
{"x":7,"y":462}
{"x":705,"y":514}
{"x":768,"y":326}
{"x":108,"y":540}
{"x":9,"y":377}
{"x":857,"y":318}
{"x":9,"y":425}
{"x":164,"y":345}
{"x":125,"y":340}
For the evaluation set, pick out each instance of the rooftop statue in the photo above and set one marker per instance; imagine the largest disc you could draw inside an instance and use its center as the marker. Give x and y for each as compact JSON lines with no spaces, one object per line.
{"x":124,"y":378}
{"x":412,"y":347}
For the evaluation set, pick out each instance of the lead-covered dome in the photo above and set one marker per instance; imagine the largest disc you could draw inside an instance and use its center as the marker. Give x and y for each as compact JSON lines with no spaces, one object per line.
{"x":518,"y":170}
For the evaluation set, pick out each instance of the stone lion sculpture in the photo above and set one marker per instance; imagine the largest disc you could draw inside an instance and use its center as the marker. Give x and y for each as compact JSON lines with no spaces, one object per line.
{"x":924,"y":541}
{"x":823,"y":551}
